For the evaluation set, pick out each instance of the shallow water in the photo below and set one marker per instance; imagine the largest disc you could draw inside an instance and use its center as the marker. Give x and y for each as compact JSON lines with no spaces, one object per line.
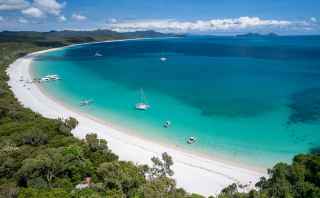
{"x":254,"y":100}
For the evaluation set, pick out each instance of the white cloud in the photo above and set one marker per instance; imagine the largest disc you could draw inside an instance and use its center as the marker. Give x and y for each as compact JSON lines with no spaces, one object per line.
{"x":42,"y":8}
{"x":78,"y":17}
{"x":23,"y":20}
{"x":230,"y":24}
{"x":13,"y":4}
{"x":49,"y":6}
{"x":62,"y":18}
{"x":112,"y":20}
{"x":33,"y":12}
{"x":313,"y":19}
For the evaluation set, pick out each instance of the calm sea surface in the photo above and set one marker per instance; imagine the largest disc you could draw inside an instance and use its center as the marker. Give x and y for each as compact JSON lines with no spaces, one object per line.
{"x":249,"y":99}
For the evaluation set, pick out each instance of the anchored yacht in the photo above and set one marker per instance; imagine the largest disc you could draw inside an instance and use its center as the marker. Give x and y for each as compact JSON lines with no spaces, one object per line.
{"x":142,"y":105}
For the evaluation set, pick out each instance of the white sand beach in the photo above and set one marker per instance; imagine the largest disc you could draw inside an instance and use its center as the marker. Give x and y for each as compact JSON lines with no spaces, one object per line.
{"x":194,"y":173}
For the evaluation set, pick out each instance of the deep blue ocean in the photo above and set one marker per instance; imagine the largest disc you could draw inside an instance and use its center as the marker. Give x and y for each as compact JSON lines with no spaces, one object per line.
{"x":249,"y":99}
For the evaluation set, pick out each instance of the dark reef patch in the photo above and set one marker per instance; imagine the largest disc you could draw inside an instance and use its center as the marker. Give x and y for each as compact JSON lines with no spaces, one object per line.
{"x":305,"y":106}
{"x":315,"y":150}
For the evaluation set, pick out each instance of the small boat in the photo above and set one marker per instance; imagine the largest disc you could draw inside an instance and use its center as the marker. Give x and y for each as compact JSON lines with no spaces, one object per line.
{"x":143,"y":105}
{"x":163,"y":59}
{"x":85,"y":102}
{"x":191,"y":140}
{"x":167,"y":124}
{"x":97,"y":54}
{"x":53,"y":77}
{"x":44,"y":79}
{"x":50,"y":78}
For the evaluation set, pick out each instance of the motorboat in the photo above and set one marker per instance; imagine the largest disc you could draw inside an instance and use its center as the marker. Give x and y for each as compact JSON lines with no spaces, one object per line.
{"x":167,"y":124}
{"x":163,"y":59}
{"x":191,"y":140}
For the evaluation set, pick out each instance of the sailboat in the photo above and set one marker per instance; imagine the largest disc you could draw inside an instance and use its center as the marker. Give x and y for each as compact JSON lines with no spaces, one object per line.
{"x":163,"y":58}
{"x":142,"y":105}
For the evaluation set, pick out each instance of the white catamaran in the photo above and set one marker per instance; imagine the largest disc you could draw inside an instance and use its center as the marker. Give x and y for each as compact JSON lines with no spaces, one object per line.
{"x":51,"y":77}
{"x":142,"y":105}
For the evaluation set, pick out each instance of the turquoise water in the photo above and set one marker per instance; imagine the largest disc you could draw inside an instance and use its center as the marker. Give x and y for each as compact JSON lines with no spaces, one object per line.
{"x":254,"y":100}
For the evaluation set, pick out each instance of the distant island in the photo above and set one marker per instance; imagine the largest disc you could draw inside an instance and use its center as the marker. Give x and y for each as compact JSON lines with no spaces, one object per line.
{"x":257,"y":35}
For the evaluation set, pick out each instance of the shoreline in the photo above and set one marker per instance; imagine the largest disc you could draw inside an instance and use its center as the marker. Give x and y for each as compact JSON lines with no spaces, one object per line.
{"x":199,"y":174}
{"x":134,"y":134}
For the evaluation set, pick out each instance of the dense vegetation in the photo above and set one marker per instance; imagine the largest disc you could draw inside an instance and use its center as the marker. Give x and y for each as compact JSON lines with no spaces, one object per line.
{"x":299,"y":180}
{"x":39,"y":157}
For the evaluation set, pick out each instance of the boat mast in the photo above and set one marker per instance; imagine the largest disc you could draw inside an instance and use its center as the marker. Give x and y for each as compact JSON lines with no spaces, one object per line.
{"x":142,"y":96}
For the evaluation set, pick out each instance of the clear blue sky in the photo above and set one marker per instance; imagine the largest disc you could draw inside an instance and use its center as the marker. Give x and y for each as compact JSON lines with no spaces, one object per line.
{"x":204,"y":16}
